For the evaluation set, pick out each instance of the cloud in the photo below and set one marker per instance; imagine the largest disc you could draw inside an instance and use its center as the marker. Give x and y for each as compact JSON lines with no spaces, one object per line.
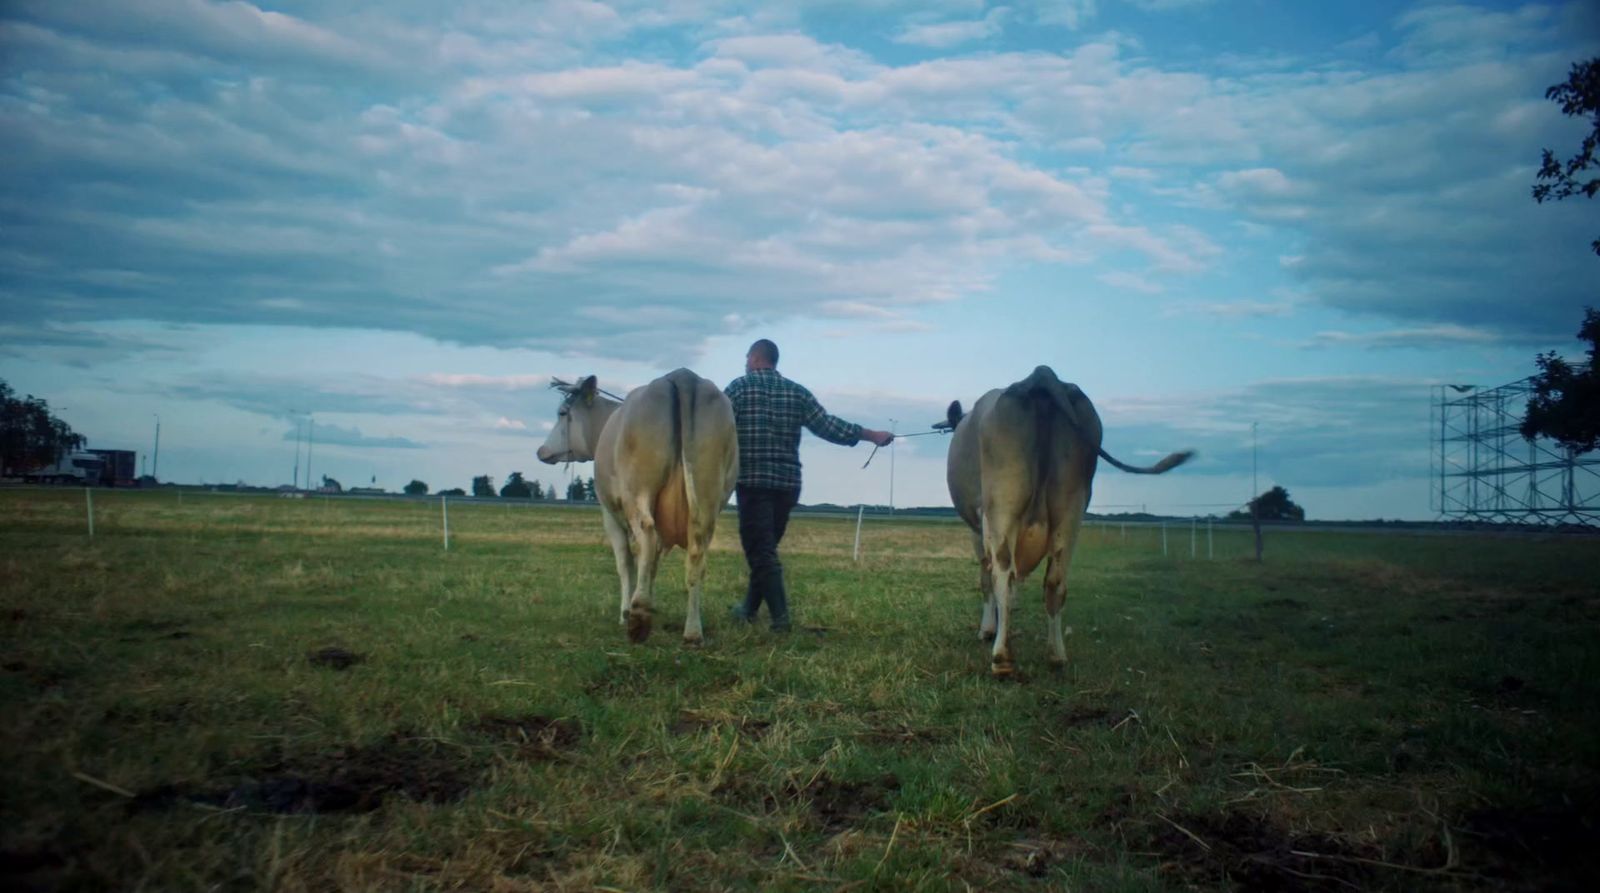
{"x":1125,"y":281}
{"x":1422,"y":337}
{"x":1072,"y":14}
{"x":228,"y":164}
{"x":285,"y":396}
{"x":1233,"y":309}
{"x":505,"y":424}
{"x":952,"y":33}
{"x":524,"y":382}
{"x":82,"y":346}
{"x":325,"y":434}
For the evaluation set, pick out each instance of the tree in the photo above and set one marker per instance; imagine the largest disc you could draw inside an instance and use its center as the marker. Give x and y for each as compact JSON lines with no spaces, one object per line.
{"x":453,"y":491}
{"x":483,"y":485}
{"x":416,"y":488}
{"x":30,"y":436}
{"x":589,"y":494}
{"x":1273,"y":505}
{"x":535,"y":491}
{"x":1566,"y":399}
{"x":575,"y":490}
{"x":331,"y":485}
{"x":1579,"y":97}
{"x":516,"y":487}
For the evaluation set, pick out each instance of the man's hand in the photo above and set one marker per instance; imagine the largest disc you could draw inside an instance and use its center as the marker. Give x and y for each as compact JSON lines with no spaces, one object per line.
{"x":881,"y":438}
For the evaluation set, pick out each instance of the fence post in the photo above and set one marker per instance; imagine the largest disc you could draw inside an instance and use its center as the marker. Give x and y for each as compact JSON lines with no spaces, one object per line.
{"x":1194,"y":533}
{"x":88,"y":498}
{"x":1211,"y":548}
{"x":1163,"y":539}
{"x":444,"y":509}
{"x":860,"y":510}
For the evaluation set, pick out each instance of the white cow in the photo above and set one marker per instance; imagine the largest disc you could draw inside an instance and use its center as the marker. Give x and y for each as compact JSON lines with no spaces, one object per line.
{"x":1020,"y":470}
{"x":665,"y":460}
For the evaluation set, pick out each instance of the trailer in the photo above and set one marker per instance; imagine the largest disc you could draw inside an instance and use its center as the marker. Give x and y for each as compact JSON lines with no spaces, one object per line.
{"x":79,"y":467}
{"x":120,"y":468}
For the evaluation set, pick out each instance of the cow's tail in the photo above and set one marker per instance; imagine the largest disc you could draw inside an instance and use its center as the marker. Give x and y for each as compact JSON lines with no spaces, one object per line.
{"x":1172,"y":461}
{"x":683,"y":398}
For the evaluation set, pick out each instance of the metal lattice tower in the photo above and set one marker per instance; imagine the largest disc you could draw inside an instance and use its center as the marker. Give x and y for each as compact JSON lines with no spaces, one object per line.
{"x":1483,"y":469}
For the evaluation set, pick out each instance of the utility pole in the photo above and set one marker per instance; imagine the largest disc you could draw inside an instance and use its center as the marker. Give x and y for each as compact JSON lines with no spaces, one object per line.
{"x":311,"y":440}
{"x":155,"y":463}
{"x":298,"y":430}
{"x":1255,"y":508}
{"x":892,"y":424}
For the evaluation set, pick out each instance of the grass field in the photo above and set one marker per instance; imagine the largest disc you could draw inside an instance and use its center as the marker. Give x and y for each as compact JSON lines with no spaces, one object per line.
{"x":254,"y":693}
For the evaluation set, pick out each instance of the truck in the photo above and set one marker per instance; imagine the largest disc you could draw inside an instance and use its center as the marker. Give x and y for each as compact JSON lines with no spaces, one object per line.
{"x":79,"y":467}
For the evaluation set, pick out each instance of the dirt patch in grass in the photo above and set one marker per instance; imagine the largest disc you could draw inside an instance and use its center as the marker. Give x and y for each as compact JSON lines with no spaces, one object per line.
{"x":690,"y":722}
{"x":29,"y":869}
{"x":534,"y":737}
{"x":837,"y":805}
{"x":1545,"y":847}
{"x":1248,"y":852}
{"x":902,"y":734}
{"x":1091,"y":715}
{"x":41,"y":678}
{"x":347,"y":780}
{"x":335,"y":658}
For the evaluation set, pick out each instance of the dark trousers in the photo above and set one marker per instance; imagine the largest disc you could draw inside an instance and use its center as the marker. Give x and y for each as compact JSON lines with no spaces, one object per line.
{"x":763,"y":517}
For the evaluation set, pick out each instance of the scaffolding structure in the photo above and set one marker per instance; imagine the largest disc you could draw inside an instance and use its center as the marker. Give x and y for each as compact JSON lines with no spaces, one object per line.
{"x":1484,"y":470}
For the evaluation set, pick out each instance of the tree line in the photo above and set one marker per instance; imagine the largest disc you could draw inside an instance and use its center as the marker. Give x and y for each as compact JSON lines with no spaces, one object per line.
{"x":515,"y":487}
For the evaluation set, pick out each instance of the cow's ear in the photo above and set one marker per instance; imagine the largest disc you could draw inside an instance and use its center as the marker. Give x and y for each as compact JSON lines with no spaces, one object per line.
{"x":953,"y":414}
{"x":587,"y":388}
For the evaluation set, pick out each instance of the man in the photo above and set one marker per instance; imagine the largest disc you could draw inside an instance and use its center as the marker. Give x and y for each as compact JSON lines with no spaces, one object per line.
{"x":769,"y":411}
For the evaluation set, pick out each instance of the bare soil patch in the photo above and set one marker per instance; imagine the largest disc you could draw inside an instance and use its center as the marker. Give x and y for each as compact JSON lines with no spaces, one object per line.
{"x":1249,"y":852}
{"x":534,"y":737}
{"x":347,"y":780}
{"x":1546,"y":847}
{"x":837,"y":805}
{"x":335,"y":658}
{"x":690,"y":722}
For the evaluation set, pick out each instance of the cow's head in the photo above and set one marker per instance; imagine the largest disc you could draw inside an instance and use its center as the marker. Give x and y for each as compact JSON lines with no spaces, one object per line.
{"x":578,"y":422}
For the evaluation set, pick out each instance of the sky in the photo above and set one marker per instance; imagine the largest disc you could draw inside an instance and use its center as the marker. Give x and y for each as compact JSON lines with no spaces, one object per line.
{"x":1261,"y":230}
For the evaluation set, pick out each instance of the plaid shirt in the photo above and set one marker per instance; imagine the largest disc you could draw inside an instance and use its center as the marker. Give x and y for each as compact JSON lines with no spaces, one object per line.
{"x":769,"y":411}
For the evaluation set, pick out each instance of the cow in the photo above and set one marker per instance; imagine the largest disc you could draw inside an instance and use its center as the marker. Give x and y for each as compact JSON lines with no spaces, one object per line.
{"x":665,"y":460}
{"x":1020,"y":470}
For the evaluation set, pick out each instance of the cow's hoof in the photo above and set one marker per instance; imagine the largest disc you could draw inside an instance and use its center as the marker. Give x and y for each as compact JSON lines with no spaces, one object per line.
{"x":986,"y":635}
{"x":638,"y":626}
{"x":694,"y":641}
{"x":1002,"y":670}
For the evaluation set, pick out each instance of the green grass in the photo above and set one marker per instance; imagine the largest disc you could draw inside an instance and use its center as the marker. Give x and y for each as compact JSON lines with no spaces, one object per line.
{"x":1360,"y":711}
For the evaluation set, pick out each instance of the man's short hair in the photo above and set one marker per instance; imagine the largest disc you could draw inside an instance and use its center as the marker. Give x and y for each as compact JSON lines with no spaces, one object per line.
{"x":766,"y":350}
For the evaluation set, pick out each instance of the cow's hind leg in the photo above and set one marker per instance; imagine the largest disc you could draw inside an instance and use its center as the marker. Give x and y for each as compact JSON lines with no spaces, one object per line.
{"x":985,"y":589}
{"x":1004,"y":572}
{"x":1055,"y":578}
{"x":617,"y":533}
{"x":695,"y":572}
{"x":647,"y":552}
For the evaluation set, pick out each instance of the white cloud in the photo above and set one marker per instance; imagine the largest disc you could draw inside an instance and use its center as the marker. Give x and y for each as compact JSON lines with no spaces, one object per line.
{"x":1420,"y":337}
{"x":1125,"y":281}
{"x":953,"y":33}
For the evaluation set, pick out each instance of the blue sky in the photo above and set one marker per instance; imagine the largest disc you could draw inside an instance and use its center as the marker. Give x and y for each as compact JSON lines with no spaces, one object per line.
{"x":403,"y":218}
